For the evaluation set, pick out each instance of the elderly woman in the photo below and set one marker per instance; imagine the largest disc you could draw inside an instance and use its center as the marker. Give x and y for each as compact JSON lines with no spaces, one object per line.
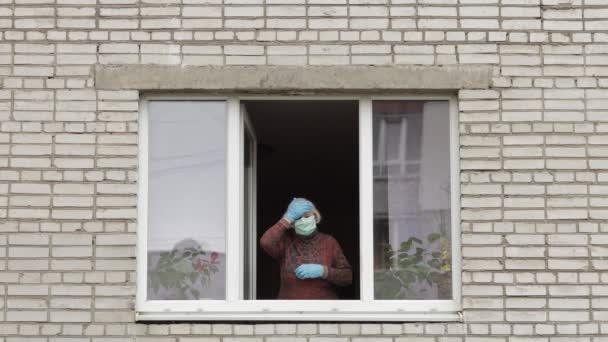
{"x":312,"y":263}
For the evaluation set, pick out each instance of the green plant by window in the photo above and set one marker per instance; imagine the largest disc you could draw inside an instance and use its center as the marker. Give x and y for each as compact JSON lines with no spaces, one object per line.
{"x":413,"y":264}
{"x":179,"y":270}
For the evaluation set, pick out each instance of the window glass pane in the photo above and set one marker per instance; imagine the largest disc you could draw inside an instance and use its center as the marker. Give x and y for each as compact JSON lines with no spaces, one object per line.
{"x":412,"y":227}
{"x":186,"y":200}
{"x":393,"y":140}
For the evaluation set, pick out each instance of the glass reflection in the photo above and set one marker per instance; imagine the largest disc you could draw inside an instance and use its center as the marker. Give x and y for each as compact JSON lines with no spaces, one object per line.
{"x":187,"y":195}
{"x":412,"y":227}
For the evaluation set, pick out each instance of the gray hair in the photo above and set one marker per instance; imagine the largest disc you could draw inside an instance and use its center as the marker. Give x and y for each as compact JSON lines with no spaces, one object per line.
{"x":315,"y":211}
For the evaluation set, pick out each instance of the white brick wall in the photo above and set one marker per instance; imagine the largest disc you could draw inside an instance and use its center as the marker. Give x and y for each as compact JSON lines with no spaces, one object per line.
{"x":534,"y":155}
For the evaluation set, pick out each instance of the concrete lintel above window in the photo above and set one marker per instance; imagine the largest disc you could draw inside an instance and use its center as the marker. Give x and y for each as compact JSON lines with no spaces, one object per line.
{"x":286,"y":78}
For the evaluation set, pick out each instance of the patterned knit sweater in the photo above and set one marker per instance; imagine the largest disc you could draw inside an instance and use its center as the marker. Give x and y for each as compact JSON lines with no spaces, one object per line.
{"x":292,"y":250}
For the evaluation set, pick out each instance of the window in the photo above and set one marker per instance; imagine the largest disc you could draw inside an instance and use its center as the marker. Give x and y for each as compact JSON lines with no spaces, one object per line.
{"x":216,"y":172}
{"x":412,"y":227}
{"x":186,"y":200}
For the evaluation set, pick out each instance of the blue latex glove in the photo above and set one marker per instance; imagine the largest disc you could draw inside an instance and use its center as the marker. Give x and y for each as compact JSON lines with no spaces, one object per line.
{"x":309,"y":271}
{"x":297,"y":208}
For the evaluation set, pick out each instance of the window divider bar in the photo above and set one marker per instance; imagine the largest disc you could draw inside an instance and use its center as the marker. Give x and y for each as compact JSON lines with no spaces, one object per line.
{"x":234,"y":265}
{"x":366,"y":219}
{"x":455,"y":202}
{"x":248,"y":130}
{"x":142,"y":206}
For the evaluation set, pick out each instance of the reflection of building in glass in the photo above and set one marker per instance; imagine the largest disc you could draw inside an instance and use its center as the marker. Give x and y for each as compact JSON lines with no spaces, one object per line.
{"x":411,"y":183}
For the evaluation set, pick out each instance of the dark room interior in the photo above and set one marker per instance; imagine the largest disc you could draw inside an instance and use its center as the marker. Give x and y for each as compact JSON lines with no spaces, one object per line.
{"x":307,"y":148}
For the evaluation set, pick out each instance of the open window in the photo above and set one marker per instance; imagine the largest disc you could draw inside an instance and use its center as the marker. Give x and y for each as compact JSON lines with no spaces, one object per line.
{"x":298,"y":154}
{"x":216,"y":172}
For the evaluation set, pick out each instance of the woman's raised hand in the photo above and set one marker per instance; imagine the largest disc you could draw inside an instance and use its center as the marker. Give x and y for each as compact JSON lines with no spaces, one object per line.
{"x":297,"y":208}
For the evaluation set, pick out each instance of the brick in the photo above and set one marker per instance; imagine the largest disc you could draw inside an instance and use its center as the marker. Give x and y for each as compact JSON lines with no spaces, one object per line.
{"x":533,"y":150}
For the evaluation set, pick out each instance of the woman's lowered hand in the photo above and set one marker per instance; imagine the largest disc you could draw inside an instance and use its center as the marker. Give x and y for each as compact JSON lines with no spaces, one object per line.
{"x":309,"y":271}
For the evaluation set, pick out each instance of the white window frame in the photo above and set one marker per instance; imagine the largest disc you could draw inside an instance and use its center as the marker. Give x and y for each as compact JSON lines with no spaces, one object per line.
{"x":233,"y":308}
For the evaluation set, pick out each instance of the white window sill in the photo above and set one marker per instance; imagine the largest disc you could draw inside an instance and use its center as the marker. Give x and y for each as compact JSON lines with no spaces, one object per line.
{"x":301,"y":310}
{"x":302,"y":316}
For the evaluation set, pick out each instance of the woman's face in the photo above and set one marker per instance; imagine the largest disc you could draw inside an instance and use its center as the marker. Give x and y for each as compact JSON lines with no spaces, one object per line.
{"x":306,"y":224}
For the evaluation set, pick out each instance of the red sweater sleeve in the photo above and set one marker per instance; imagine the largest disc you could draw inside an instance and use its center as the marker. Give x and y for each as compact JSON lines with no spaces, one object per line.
{"x":339,"y":272}
{"x":274,"y":239}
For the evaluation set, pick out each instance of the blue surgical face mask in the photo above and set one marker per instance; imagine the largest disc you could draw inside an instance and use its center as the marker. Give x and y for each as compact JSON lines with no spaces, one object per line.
{"x":305,"y":225}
